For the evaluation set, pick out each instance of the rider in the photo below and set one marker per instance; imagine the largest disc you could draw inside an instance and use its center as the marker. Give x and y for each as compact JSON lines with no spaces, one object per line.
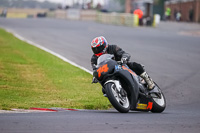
{"x":100,"y":46}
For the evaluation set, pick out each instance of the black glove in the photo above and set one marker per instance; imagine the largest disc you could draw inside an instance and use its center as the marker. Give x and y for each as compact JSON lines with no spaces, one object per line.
{"x":124,"y":60}
{"x":94,"y":67}
{"x":94,"y":80}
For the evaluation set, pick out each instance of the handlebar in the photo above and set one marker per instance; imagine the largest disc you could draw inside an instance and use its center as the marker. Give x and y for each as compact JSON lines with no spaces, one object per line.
{"x":120,"y":62}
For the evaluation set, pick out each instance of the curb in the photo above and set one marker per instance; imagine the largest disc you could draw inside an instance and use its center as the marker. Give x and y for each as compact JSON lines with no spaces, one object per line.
{"x":33,"y":110}
{"x":54,"y":109}
{"x":43,"y":109}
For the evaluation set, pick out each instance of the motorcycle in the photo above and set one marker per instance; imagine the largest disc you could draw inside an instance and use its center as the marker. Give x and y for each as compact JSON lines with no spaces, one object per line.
{"x":124,"y":89}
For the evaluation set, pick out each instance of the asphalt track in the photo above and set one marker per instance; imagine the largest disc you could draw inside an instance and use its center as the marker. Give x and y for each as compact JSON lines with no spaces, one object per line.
{"x":170,"y":53}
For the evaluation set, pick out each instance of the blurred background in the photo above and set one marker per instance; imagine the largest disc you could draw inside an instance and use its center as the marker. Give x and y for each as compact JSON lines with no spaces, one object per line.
{"x":119,"y":12}
{"x":170,"y":52}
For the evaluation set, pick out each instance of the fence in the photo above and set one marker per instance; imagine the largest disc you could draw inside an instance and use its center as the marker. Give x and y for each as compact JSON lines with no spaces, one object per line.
{"x":22,"y":13}
{"x":125,"y":19}
{"x":73,"y":14}
{"x":117,"y":19}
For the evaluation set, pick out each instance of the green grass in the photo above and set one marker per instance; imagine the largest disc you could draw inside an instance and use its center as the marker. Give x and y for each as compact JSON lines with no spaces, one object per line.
{"x":30,"y":77}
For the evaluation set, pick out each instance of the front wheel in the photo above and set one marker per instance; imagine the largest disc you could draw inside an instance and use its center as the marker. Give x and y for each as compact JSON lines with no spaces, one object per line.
{"x":119,"y":102}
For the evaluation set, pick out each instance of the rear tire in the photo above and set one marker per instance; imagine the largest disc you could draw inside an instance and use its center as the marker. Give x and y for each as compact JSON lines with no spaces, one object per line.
{"x":159,"y":104}
{"x":119,"y":103}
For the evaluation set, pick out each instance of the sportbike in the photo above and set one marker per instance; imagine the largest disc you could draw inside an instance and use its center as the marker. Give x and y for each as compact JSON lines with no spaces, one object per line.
{"x":126,"y":90}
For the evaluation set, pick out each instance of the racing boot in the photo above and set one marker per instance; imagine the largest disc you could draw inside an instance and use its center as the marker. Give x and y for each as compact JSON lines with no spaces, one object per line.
{"x":148,"y":80}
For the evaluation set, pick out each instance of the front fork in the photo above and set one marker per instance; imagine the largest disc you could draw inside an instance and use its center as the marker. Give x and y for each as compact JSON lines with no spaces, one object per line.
{"x":120,"y":90}
{"x":116,"y":82}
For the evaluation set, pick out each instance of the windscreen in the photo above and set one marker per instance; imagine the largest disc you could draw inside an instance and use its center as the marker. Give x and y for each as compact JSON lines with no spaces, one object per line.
{"x":103,"y":58}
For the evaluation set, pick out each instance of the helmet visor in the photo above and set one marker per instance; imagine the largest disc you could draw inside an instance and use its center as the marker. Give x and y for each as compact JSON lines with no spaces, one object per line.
{"x":97,"y":50}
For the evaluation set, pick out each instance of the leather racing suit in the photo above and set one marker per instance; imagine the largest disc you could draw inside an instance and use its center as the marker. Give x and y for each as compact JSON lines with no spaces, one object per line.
{"x":118,"y":55}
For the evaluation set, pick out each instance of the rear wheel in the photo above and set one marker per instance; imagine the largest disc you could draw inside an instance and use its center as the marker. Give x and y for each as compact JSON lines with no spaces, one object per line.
{"x":120,"y":102}
{"x":159,"y":102}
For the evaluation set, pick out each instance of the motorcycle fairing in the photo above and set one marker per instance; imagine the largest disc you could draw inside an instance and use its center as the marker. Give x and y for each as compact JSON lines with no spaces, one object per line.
{"x":144,"y":103}
{"x":132,"y":82}
{"x":142,"y":106}
{"x":126,"y":68}
{"x":104,"y":69}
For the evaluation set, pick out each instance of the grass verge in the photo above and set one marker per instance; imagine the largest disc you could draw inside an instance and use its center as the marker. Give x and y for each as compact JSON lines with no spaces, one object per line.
{"x":31,"y":77}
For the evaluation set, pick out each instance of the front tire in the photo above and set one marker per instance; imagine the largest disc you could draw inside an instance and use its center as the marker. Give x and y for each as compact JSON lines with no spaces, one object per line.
{"x":120,"y":103}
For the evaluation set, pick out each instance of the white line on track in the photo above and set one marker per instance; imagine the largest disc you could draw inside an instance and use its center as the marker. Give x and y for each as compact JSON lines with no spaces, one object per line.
{"x":47,"y":50}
